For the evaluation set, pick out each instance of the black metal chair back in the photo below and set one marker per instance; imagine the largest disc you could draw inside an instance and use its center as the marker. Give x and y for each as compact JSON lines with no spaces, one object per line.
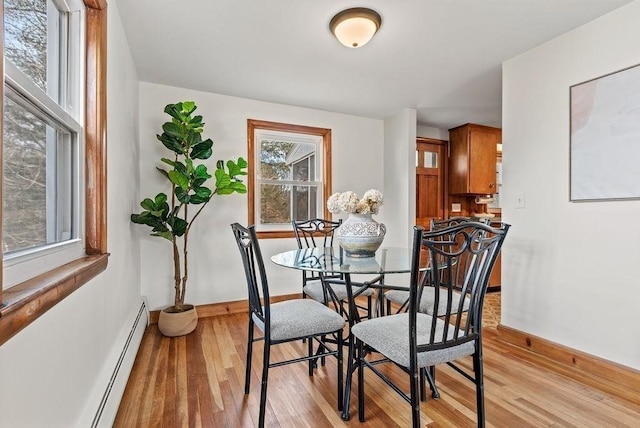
{"x":464,"y":255}
{"x":315,"y":233}
{"x":253,"y":264}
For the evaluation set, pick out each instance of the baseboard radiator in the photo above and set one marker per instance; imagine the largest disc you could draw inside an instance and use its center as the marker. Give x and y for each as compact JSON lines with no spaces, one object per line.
{"x":119,"y":367}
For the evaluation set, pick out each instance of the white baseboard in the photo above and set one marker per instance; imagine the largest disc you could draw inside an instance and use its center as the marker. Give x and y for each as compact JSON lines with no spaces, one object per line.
{"x":102,"y":408}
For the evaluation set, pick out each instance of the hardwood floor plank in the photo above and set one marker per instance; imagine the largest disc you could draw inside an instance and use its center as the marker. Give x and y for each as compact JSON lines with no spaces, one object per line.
{"x":198,"y":381}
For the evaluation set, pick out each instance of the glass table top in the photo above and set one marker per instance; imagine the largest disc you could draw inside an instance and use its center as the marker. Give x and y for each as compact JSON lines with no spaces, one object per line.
{"x":333,"y":260}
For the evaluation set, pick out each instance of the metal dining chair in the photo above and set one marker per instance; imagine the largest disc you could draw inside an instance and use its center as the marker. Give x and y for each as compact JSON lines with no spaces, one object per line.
{"x":427,"y":299}
{"x":319,"y":233}
{"x":285,"y":321}
{"x":414,"y":340}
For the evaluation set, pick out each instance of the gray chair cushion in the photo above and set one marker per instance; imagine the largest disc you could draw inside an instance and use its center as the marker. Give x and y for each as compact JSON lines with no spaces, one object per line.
{"x":300,"y":318}
{"x":314,"y":290}
{"x":428,"y":299}
{"x":390,"y":336}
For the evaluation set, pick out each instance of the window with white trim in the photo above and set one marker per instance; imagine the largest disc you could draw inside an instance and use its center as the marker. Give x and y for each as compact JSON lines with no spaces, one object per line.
{"x":42,"y":198}
{"x":290,"y":173}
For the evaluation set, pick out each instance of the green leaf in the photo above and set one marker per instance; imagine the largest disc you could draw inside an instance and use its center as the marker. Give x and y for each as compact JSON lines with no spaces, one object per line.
{"x":198,"y":182}
{"x":188,"y":107}
{"x":224,"y":190}
{"x":148,"y":204}
{"x":238,"y":186}
{"x":237,"y":168}
{"x":173,"y":110}
{"x":179,"y":179}
{"x":189,"y":164}
{"x":163,"y":172}
{"x":168,"y":161}
{"x":197,"y":120}
{"x":179,"y":226}
{"x":222,"y":179}
{"x":202,"y":150}
{"x":171,"y":143}
{"x":182,"y":195}
{"x":173,"y":130}
{"x":179,"y":166}
{"x":139,"y":218}
{"x":202,"y":195}
{"x":166,"y":235}
{"x":201,"y":172}
{"x":161,"y":198}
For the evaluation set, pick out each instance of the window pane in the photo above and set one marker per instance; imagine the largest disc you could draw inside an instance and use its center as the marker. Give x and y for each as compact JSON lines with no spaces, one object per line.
{"x":430,"y":160}
{"x":26,"y":43}
{"x":286,"y":160}
{"x":301,"y":170}
{"x":37,"y":181}
{"x":275,"y":204}
{"x":273,"y":155}
{"x":301,"y":203}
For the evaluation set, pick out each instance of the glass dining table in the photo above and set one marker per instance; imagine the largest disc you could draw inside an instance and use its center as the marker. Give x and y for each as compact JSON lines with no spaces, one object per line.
{"x":332,"y":262}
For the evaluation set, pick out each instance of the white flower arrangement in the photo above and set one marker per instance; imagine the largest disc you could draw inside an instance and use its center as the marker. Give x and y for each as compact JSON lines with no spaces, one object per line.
{"x":349,"y":202}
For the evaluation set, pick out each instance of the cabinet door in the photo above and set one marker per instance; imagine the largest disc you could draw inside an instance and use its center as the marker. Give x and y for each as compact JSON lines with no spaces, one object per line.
{"x":482,"y":159}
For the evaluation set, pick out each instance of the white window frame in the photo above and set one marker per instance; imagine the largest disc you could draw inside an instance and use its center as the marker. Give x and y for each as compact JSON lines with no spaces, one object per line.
{"x":293,"y":137}
{"x":62,"y":108}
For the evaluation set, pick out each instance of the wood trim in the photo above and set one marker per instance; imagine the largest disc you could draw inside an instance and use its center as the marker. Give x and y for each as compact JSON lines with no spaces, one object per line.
{"x":225,"y":308}
{"x":96,"y":4}
{"x":96,"y":132}
{"x":325,"y":133}
{"x":1,"y":151}
{"x":25,"y":302}
{"x":596,"y":372}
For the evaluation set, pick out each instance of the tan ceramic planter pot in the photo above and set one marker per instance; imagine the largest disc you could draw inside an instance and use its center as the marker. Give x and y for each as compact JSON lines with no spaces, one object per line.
{"x":177,"y":323}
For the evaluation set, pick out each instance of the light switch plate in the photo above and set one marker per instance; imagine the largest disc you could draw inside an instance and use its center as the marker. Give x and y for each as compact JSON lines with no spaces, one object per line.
{"x":456,"y":208}
{"x":520,"y":200}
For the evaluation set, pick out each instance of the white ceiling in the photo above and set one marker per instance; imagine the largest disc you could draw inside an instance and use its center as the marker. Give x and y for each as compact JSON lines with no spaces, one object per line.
{"x":441,"y":57}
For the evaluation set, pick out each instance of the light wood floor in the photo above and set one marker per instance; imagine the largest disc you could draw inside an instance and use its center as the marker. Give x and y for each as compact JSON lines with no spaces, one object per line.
{"x":197,"y":381}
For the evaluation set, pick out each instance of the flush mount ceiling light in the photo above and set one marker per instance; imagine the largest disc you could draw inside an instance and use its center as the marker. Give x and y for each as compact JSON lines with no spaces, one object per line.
{"x":356,"y":26}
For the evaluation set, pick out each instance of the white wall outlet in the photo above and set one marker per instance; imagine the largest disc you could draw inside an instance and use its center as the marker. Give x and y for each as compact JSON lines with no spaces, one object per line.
{"x":456,"y":208}
{"x":520,"y":200}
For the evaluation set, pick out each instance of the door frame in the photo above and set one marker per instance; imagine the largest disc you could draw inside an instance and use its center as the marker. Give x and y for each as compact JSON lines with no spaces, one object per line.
{"x":444,"y":170}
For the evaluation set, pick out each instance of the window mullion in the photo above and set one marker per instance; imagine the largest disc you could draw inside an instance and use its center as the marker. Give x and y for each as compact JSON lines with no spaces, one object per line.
{"x":32,"y":93}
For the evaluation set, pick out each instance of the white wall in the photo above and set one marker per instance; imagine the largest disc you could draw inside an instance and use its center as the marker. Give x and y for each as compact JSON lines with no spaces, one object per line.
{"x":431,"y":132}
{"x":49,"y":369}
{"x":215,"y":270}
{"x":570,"y":270}
{"x":400,"y":177}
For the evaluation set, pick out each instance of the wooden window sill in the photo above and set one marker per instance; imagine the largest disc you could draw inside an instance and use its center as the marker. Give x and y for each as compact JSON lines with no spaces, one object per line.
{"x":25,"y":302}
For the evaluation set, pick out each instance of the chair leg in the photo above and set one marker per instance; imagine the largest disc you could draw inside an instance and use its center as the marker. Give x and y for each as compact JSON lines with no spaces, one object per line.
{"x":359,"y":356}
{"x":415,"y":398}
{"x":323,"y":349}
{"x":431,"y":378}
{"x":423,"y":387}
{"x":263,"y":386}
{"x":340,"y":341}
{"x":369,"y":313}
{"x":247,"y":375}
{"x":312,"y":362}
{"x":478,"y":372}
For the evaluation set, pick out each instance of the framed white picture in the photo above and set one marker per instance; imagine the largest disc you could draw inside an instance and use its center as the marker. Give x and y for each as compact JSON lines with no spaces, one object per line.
{"x":605,"y":137}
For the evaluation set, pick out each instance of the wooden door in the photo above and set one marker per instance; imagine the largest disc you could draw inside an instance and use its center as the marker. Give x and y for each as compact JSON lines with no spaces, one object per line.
{"x":430,"y":173}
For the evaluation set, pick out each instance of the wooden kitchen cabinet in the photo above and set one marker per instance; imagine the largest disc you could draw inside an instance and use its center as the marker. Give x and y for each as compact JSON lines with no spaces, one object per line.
{"x":472,"y":159}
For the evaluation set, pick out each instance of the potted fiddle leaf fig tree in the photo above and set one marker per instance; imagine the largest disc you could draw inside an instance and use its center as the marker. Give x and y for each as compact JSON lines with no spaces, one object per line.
{"x":172,"y":217}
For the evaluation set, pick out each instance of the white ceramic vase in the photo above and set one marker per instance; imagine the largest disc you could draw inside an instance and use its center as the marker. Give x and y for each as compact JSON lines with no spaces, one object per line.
{"x":360,"y":235}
